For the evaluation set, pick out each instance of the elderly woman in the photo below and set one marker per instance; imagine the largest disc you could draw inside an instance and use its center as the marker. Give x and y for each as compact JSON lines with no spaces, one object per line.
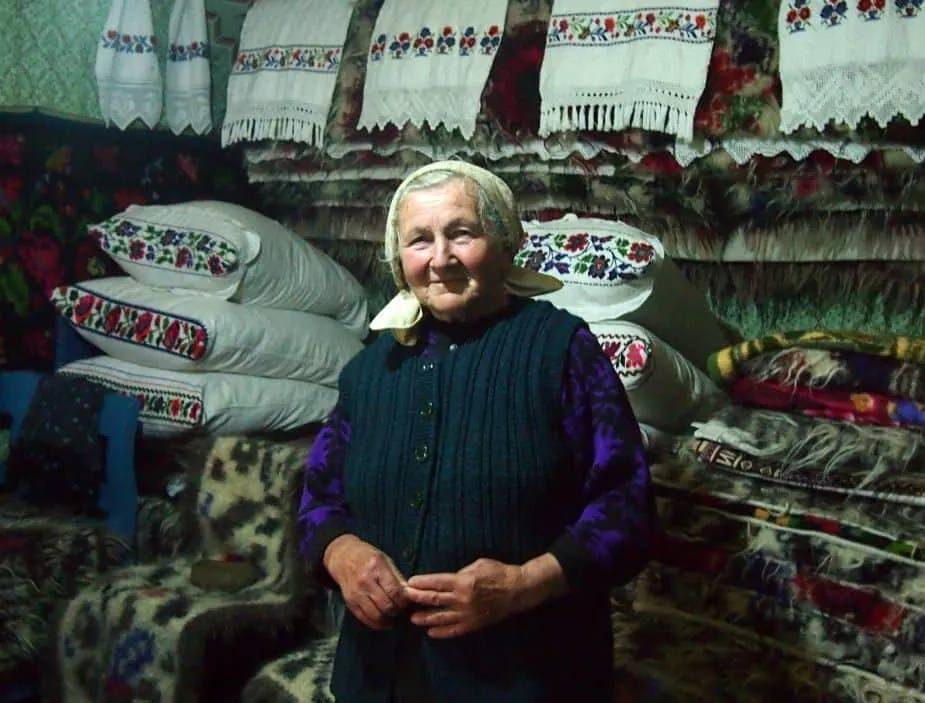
{"x":481,"y":485}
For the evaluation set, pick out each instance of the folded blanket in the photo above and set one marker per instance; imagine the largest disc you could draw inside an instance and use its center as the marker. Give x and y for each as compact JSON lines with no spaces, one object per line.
{"x":895,"y":487}
{"x":841,"y":369}
{"x":726,"y":364}
{"x":815,"y":444}
{"x":833,"y":403}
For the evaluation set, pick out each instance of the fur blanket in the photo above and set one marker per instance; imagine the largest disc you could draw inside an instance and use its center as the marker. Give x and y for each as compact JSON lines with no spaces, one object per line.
{"x":141,"y":632}
{"x":299,"y":677}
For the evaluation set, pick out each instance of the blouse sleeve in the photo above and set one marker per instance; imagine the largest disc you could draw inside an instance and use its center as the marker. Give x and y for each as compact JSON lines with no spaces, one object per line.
{"x":609,"y":543}
{"x":323,"y":512}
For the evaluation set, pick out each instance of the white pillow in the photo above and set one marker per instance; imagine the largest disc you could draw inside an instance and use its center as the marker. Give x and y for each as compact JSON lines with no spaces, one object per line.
{"x":665,"y":390}
{"x":233,"y":253}
{"x":613,"y":271}
{"x":164,"y":330}
{"x":175,"y":403}
{"x":607,"y":267}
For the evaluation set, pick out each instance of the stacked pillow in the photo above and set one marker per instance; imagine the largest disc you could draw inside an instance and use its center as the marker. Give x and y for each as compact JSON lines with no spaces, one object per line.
{"x":655,"y":327}
{"x":225,"y":321}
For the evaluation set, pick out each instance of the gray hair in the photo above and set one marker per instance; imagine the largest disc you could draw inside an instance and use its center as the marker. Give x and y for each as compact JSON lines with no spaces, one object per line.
{"x":491,"y":220}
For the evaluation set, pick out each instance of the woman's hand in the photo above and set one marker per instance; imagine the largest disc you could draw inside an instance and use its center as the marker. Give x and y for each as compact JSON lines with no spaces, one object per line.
{"x":372,"y":586}
{"x":483,"y":593}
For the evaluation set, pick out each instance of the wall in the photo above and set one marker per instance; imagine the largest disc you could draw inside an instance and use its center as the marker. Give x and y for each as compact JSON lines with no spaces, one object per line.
{"x":58,"y":176}
{"x":52,"y":44}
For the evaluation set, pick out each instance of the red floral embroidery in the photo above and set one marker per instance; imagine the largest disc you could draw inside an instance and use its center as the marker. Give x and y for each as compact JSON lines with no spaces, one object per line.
{"x":167,"y":333}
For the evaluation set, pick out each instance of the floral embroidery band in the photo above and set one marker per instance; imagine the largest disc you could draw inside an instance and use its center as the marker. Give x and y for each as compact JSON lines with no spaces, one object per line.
{"x":604,"y":258}
{"x":835,"y":13}
{"x":156,"y":404}
{"x":188,"y":52}
{"x":172,"y":334}
{"x":628,"y":353}
{"x":595,"y":29}
{"x":164,"y":247}
{"x":426,"y":42}
{"x":314,"y":58}
{"x":128,"y":43}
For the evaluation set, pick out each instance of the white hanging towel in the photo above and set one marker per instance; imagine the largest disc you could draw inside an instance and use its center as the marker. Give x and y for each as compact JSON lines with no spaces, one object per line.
{"x":283,"y":80}
{"x":127,"y":74}
{"x":614,"y":64}
{"x":188,"y":91}
{"x":841,"y":61}
{"x":429,"y":61}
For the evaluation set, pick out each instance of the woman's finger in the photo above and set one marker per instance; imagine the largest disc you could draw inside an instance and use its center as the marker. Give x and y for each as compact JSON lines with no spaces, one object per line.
{"x":393,"y":588}
{"x":435,"y":618}
{"x":431,"y":599}
{"x":382,"y":602}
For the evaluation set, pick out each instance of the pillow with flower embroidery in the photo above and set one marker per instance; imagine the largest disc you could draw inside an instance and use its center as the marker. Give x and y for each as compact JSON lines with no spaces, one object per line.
{"x":612,"y":271}
{"x":607,"y":268}
{"x":176,"y":332}
{"x":232,"y":253}
{"x":175,"y":403}
{"x":665,"y":390}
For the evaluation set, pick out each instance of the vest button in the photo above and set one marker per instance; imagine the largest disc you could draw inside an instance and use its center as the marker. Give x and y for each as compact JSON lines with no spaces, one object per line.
{"x":408,"y":554}
{"x":417,"y":501}
{"x":454,"y":347}
{"x":427,"y":367}
{"x":422,"y":452}
{"x":427,"y":409}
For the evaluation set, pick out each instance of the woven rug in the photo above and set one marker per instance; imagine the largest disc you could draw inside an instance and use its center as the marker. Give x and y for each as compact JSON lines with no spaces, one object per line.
{"x":141,"y":633}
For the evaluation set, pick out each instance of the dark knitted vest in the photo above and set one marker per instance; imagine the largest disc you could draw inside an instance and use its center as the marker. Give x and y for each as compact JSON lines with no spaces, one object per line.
{"x":451,"y":459}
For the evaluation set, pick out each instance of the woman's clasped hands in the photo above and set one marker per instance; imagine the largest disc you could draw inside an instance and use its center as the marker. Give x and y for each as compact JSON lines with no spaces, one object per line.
{"x":444,"y":604}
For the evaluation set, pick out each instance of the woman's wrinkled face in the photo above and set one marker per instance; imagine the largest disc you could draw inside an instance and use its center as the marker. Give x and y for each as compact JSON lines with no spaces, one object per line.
{"x":453,"y":268}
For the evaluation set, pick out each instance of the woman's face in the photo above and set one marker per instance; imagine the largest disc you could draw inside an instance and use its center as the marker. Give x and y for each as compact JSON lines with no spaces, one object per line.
{"x":450,"y":264}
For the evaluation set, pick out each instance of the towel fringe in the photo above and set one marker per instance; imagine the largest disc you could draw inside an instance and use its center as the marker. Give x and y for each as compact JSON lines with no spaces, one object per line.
{"x":643,"y":114}
{"x":292,"y":129}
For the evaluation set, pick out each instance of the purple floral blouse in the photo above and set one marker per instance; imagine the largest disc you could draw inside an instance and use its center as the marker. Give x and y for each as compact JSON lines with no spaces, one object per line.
{"x":608,"y":544}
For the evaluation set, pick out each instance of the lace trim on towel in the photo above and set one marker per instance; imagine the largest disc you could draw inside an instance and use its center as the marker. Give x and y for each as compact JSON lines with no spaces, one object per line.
{"x":741,"y":149}
{"x":193,"y":110}
{"x":657,"y":107}
{"x":455,"y":109}
{"x":123,"y":104}
{"x":882,"y":91}
{"x":303,"y":122}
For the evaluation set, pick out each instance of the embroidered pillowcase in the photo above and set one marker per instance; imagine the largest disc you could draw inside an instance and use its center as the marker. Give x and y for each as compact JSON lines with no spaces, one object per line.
{"x":613,"y":271}
{"x":665,"y":390}
{"x":171,"y":331}
{"x":232,"y":253}
{"x":175,"y":403}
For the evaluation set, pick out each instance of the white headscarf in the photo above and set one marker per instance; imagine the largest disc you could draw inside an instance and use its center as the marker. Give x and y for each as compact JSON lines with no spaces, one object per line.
{"x":402,"y":314}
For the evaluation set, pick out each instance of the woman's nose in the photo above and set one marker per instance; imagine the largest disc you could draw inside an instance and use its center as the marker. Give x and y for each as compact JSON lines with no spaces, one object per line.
{"x":443,"y":254}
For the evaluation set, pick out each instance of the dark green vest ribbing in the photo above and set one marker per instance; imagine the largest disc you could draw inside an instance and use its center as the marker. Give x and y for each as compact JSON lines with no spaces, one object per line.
{"x":455,"y":458}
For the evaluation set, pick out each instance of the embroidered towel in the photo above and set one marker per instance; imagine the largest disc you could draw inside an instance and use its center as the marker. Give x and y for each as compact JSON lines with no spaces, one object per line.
{"x":614,"y":64}
{"x":841,"y":61}
{"x":429,"y":61}
{"x":283,"y":80}
{"x":188,"y":96}
{"x":127,"y":74}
